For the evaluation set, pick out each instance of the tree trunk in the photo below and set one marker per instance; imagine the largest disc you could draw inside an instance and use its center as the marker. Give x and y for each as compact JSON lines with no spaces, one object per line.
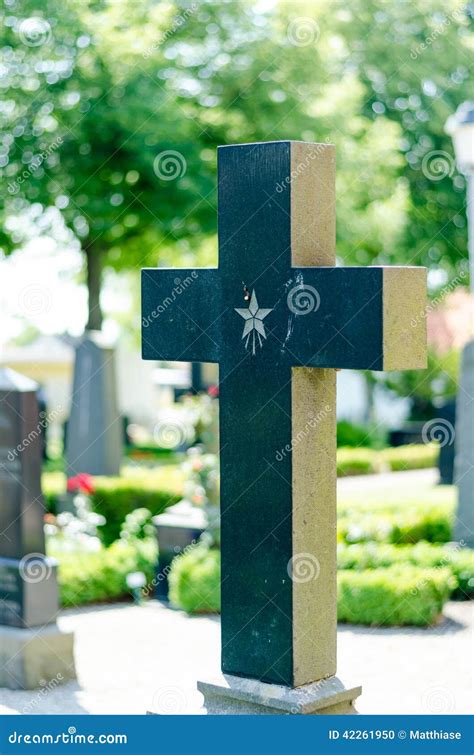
{"x":94,"y":279}
{"x":370,"y":394}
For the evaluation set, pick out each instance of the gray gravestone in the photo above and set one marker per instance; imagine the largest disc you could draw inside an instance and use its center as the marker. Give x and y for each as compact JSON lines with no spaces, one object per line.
{"x":94,"y":442}
{"x":464,"y":464}
{"x":28,"y":579}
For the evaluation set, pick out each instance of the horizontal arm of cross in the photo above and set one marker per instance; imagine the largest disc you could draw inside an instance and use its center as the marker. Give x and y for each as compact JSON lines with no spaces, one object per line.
{"x":180,"y":314}
{"x":356,"y":318}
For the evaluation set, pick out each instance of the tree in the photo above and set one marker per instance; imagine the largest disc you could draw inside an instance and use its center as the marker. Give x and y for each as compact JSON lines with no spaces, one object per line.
{"x":113,"y":110}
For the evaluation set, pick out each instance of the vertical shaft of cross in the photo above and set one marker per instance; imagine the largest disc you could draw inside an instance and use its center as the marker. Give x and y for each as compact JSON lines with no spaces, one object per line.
{"x":278,"y":436}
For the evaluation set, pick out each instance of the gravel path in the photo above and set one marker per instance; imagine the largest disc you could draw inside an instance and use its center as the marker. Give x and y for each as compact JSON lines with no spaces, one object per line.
{"x":132,"y":659}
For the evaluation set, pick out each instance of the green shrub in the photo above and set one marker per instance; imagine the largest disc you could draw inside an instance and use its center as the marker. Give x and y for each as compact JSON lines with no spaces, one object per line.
{"x":460,"y":561}
{"x":352,"y":435}
{"x":409,"y":524}
{"x":194,"y":580}
{"x":114,"y":498}
{"x":393,"y":597}
{"x":355,"y":461}
{"x":86,"y":577}
{"x":413,"y":456}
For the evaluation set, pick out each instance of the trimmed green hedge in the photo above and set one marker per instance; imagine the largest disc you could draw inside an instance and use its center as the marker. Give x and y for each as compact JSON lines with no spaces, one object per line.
{"x":394,"y":596}
{"x":356,"y":461}
{"x":414,"y":456}
{"x":114,"y":498}
{"x":459,"y":561}
{"x":408,"y":524}
{"x":97,"y":577}
{"x":194,"y":580}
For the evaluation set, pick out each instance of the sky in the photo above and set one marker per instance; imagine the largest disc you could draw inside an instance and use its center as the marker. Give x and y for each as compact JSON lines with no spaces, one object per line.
{"x":41,"y":285}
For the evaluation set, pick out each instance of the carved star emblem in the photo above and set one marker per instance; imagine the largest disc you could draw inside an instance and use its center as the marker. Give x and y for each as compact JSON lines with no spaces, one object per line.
{"x":253,"y":317}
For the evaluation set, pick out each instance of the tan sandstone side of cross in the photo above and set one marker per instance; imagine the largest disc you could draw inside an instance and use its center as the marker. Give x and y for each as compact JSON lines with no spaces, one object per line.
{"x":313,"y":223}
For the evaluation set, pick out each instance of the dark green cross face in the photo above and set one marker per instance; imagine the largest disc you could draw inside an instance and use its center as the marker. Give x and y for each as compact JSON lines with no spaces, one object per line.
{"x":266,"y":315}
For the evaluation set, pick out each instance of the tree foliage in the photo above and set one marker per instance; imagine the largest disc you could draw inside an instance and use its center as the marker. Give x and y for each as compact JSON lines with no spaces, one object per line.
{"x":96,"y":93}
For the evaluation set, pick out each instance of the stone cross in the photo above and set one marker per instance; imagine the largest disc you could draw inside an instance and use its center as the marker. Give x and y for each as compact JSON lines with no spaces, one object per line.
{"x":279,"y":317}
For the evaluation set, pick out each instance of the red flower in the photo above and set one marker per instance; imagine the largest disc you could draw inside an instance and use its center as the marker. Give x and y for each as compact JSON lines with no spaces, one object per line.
{"x":213,"y":391}
{"x":81,"y":483}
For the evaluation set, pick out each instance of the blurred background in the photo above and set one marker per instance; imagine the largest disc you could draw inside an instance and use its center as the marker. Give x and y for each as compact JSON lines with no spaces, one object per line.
{"x":111,"y":112}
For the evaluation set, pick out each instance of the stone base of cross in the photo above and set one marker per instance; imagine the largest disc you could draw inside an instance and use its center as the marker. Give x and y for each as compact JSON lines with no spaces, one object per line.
{"x":279,"y":318}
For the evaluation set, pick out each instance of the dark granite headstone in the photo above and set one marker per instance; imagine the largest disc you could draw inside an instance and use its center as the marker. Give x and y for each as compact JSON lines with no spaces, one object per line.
{"x":28,"y":584}
{"x":94,"y":440}
{"x":177,"y":529}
